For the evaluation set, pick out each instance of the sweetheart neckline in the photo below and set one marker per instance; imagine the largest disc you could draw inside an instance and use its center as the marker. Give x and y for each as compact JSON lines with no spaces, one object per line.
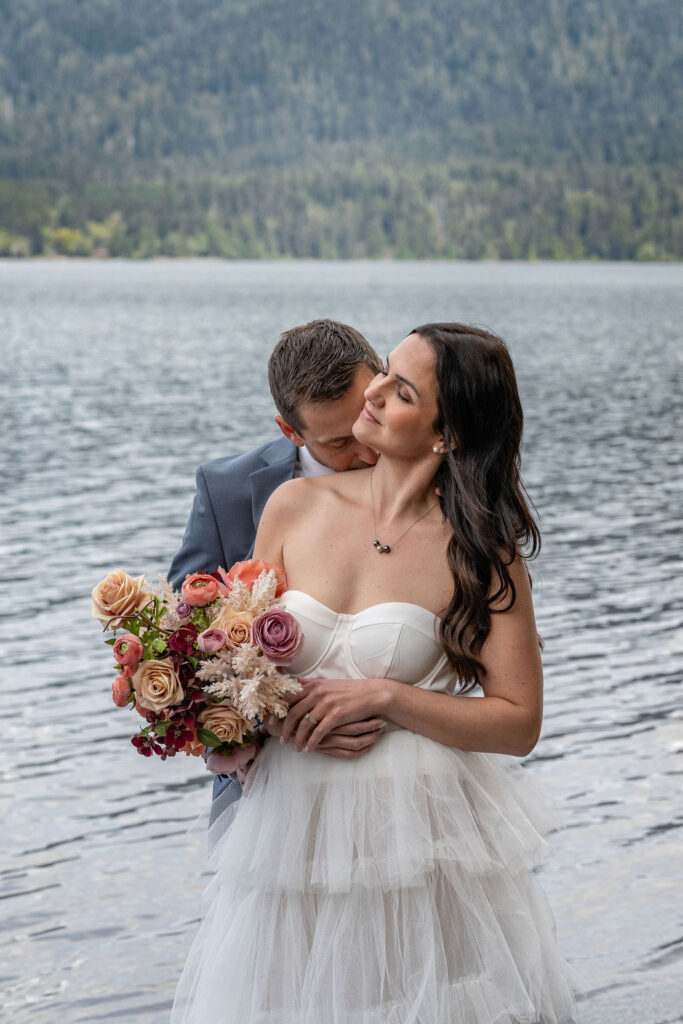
{"x":354,"y":615}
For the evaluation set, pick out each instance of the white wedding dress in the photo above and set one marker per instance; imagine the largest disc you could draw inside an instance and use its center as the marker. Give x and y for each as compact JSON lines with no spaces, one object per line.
{"x":391,"y":889}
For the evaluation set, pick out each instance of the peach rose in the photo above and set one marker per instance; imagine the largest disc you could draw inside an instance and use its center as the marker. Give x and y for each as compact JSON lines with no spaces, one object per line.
{"x":224,"y":721}
{"x":199,"y":589}
{"x":235,"y":625}
{"x":117,"y":597}
{"x":156,"y":685}
{"x":120,"y":691}
{"x":248,"y":572}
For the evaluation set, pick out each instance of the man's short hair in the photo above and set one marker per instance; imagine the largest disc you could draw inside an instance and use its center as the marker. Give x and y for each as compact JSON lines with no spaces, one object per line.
{"x":316,"y":363}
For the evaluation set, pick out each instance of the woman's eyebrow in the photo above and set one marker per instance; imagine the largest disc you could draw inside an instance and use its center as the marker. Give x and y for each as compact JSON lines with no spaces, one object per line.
{"x":404,"y":380}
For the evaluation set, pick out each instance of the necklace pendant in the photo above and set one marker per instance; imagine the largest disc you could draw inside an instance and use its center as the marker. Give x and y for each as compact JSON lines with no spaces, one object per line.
{"x":382,"y":549}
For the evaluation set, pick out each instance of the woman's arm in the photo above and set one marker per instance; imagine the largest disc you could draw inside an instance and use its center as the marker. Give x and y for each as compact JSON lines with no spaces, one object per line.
{"x":359,"y":733}
{"x":283,"y":507}
{"x":507,"y":720}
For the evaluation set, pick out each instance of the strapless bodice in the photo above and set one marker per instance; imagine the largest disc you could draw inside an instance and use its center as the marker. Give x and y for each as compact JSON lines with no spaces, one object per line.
{"x":392,"y":640}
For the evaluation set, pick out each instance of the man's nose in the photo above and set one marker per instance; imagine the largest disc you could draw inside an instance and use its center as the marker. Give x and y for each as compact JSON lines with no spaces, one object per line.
{"x":367,"y":455}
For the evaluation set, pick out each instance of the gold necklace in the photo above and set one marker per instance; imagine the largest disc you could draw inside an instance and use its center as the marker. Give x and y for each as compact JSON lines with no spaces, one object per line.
{"x":384,"y":549}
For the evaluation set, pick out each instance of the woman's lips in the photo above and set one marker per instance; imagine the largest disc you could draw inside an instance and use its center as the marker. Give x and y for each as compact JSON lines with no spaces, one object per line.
{"x":368,"y":415}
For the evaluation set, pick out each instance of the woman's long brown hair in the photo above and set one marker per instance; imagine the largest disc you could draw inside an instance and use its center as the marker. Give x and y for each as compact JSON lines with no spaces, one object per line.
{"x":481,"y":494}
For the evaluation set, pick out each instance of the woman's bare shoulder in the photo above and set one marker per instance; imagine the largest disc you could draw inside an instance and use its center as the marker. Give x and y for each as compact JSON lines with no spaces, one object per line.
{"x":294,"y":494}
{"x":307,"y":492}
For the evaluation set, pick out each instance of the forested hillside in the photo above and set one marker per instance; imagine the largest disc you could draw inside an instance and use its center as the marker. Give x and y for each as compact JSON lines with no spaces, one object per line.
{"x":369,"y":127}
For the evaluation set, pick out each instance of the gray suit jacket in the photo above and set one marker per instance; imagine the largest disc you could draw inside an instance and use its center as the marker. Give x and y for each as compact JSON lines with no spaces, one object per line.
{"x":231,"y":495}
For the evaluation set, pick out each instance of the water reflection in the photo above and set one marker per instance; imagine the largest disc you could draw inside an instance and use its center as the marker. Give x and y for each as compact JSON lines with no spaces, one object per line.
{"x":119,"y":379}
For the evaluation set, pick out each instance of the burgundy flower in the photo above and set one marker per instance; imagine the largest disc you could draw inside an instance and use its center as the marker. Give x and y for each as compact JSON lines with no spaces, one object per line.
{"x":183,"y":640}
{"x":184,"y":610}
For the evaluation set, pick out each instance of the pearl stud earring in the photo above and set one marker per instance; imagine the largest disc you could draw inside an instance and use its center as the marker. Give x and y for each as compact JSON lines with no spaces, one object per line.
{"x":436,"y":449}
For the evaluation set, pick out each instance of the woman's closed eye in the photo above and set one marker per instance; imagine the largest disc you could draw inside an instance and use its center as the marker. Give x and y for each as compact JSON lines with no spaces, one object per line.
{"x":401,"y":394}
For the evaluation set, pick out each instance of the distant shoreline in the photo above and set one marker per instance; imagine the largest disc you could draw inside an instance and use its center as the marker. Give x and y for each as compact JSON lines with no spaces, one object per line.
{"x":559,"y":260}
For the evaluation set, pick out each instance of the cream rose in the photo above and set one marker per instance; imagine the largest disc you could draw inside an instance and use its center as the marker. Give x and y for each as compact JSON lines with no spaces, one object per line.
{"x":235,"y":625}
{"x":156,"y":685}
{"x":224,"y":721}
{"x":118,"y":596}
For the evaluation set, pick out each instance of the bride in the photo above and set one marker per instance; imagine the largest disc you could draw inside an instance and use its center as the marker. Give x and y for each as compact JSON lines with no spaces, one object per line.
{"x":397,"y":888}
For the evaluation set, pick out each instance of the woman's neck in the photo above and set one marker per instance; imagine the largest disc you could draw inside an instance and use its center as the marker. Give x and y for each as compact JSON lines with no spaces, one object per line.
{"x":399,"y":491}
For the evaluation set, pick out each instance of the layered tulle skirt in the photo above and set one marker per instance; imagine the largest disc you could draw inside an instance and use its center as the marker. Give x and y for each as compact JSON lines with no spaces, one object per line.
{"x":395,"y":889}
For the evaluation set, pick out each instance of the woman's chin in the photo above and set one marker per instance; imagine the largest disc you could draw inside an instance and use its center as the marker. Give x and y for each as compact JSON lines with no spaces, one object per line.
{"x":365,"y":431}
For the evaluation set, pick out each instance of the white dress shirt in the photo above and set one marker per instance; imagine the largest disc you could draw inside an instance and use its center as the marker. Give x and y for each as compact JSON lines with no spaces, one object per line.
{"x":307,"y":466}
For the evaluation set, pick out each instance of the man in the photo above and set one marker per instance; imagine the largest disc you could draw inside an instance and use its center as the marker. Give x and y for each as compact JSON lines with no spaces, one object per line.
{"x":318,"y":374}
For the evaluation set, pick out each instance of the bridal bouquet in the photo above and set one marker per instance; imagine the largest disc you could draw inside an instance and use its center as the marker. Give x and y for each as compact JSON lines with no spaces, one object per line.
{"x":201,"y":667}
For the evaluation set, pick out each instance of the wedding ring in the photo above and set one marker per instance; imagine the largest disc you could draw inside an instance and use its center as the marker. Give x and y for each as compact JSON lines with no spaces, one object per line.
{"x":310,"y":719}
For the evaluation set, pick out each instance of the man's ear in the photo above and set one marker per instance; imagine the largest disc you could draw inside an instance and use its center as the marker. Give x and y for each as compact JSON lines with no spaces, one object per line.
{"x":289,"y":432}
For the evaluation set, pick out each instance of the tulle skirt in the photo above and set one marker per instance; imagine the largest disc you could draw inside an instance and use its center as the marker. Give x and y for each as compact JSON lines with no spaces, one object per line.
{"x":395,"y":889}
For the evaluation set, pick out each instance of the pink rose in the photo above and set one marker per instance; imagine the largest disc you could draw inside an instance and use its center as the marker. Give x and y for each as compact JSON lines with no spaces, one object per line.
{"x":120,"y":691}
{"x":223,"y":764}
{"x":199,"y":589}
{"x":278,"y":634}
{"x":212,"y":640}
{"x":128,"y":649}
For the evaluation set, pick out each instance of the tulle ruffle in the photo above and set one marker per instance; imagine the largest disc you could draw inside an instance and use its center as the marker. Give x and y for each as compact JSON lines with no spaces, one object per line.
{"x":395,"y":889}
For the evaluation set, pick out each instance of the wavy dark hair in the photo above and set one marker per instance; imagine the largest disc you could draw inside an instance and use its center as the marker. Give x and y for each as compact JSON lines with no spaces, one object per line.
{"x":481,"y":494}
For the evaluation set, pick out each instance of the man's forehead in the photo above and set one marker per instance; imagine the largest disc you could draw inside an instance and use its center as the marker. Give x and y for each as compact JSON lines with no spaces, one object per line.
{"x":330,"y":421}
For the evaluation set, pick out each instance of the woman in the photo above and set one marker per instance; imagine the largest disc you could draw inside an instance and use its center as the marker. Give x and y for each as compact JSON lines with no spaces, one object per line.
{"x":396,"y":888}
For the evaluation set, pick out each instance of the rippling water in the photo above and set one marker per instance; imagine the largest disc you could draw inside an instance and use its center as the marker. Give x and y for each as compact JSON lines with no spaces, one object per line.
{"x":117,"y":380}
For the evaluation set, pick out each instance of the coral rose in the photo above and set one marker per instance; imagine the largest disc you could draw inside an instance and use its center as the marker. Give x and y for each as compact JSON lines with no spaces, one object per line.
{"x":117,"y":597}
{"x":199,"y":589}
{"x":193,"y":747}
{"x":120,"y":691}
{"x":157,"y":685}
{"x":128,"y":649}
{"x":235,"y":625}
{"x":278,"y":634}
{"x":224,"y":721}
{"x":248,"y":572}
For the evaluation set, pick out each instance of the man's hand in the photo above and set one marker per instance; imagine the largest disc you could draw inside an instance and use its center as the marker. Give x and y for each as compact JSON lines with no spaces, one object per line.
{"x":339,"y":715}
{"x":239,"y":762}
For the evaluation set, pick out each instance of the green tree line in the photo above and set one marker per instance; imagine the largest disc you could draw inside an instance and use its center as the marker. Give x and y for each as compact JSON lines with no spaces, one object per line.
{"x":473,"y":210}
{"x":101,"y":90}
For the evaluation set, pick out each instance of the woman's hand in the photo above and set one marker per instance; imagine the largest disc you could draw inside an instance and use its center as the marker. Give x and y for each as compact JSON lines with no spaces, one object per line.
{"x":347,"y":742}
{"x":346,"y":713}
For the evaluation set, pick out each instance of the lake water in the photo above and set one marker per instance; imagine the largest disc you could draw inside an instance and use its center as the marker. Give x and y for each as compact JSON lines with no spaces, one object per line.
{"x":117,"y":380}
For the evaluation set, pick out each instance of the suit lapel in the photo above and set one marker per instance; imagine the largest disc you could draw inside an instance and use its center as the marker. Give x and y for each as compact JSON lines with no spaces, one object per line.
{"x":280,"y":463}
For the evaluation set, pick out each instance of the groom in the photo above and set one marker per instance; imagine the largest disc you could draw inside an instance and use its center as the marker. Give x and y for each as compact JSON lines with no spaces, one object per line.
{"x":318,"y":374}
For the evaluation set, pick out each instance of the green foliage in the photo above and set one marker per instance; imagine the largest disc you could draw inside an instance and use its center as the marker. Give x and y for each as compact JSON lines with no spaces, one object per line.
{"x":372,"y":128}
{"x":477,"y":209}
{"x":105,"y":91}
{"x":208,"y":738}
